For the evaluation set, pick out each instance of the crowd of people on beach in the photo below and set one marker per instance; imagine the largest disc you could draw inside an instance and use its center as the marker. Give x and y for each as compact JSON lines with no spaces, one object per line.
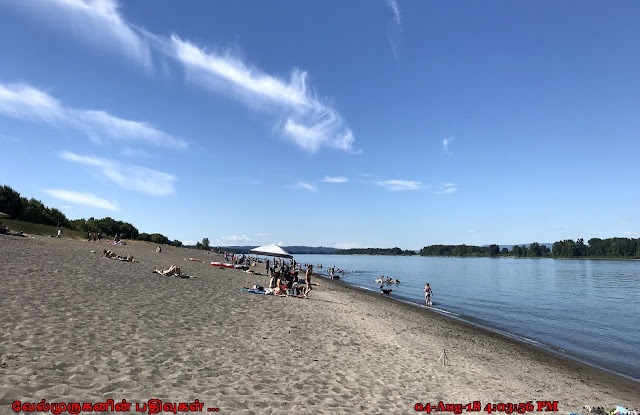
{"x":283,"y":277}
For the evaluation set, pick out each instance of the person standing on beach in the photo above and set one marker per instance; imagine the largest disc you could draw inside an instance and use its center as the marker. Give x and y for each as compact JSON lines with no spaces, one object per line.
{"x":307,"y":280}
{"x":427,"y":294}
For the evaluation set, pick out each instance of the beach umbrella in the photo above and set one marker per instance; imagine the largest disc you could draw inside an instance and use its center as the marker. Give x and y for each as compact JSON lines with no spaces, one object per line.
{"x":271,"y":250}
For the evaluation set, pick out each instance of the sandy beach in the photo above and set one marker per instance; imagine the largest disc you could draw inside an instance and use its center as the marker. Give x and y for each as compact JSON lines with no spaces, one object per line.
{"x":77,"y":327}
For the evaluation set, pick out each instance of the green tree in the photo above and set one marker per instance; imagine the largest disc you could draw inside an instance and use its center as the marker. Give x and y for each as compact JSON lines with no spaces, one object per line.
{"x":534,"y":249}
{"x":79,"y":225}
{"x":205,"y":244}
{"x":596,"y":247}
{"x":144,"y":237}
{"x":158,"y":238}
{"x":517,"y":252}
{"x":34,"y":211}
{"x":10,"y":202}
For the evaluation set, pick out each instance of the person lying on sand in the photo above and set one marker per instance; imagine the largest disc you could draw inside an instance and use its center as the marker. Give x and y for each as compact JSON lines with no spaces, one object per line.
{"x":112,"y":255}
{"x":173,"y":270}
{"x":193,"y":259}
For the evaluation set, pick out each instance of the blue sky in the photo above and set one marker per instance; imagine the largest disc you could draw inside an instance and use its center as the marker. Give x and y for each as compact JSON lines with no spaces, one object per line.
{"x":346,"y":124}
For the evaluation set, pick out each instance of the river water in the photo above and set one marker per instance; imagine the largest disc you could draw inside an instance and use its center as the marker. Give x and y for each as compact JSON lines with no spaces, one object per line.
{"x":585,"y":309}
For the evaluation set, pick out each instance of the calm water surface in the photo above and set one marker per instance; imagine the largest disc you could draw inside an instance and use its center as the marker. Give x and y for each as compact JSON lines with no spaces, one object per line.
{"x":586,"y":309}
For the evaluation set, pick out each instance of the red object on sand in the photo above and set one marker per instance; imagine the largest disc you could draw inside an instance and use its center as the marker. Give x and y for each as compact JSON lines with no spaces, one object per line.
{"x":220,"y":264}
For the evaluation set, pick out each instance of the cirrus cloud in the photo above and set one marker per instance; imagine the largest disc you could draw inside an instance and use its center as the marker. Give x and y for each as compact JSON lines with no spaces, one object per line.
{"x":309,"y":122}
{"x":447,"y":188}
{"x":140,"y":179}
{"x":97,"y":22}
{"x":28,"y":103}
{"x":307,"y":186}
{"x":395,"y":185}
{"x":338,"y":179}
{"x":446,"y":142}
{"x":87,"y":199}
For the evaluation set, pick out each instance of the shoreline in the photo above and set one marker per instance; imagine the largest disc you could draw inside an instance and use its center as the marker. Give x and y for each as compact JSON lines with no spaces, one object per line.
{"x":78,"y":327}
{"x":512,"y":336}
{"x":504,"y":334}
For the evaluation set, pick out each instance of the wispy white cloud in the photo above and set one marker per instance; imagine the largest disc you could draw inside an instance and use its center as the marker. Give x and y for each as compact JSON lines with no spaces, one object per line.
{"x":447,"y":188}
{"x":394,"y":30}
{"x":304,"y":119}
{"x":136,"y":178}
{"x":28,"y":103}
{"x":87,"y":199}
{"x":66,"y":207}
{"x":630,"y":233}
{"x":97,"y":22}
{"x":306,"y":186}
{"x":308,"y":122}
{"x":393,"y":5}
{"x":262,"y":235}
{"x":338,"y":179}
{"x":395,"y":185}
{"x":446,"y":142}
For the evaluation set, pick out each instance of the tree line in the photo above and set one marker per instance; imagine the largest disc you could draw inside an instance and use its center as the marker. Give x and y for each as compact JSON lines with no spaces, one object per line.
{"x":595,"y":248}
{"x":532,"y":250}
{"x":34,"y":211}
{"x":30,"y":210}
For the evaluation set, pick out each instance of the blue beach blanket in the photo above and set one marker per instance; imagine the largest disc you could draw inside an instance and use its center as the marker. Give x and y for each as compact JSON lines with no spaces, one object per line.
{"x":249,"y":290}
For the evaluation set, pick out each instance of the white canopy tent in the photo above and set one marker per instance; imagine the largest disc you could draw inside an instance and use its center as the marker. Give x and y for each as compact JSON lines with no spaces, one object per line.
{"x":271,"y":250}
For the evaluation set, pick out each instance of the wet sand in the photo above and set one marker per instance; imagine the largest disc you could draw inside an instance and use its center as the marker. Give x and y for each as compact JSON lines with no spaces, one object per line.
{"x":77,"y":327}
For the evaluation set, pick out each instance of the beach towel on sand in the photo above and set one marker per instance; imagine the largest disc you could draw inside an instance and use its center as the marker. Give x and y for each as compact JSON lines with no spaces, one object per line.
{"x":268,"y":292}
